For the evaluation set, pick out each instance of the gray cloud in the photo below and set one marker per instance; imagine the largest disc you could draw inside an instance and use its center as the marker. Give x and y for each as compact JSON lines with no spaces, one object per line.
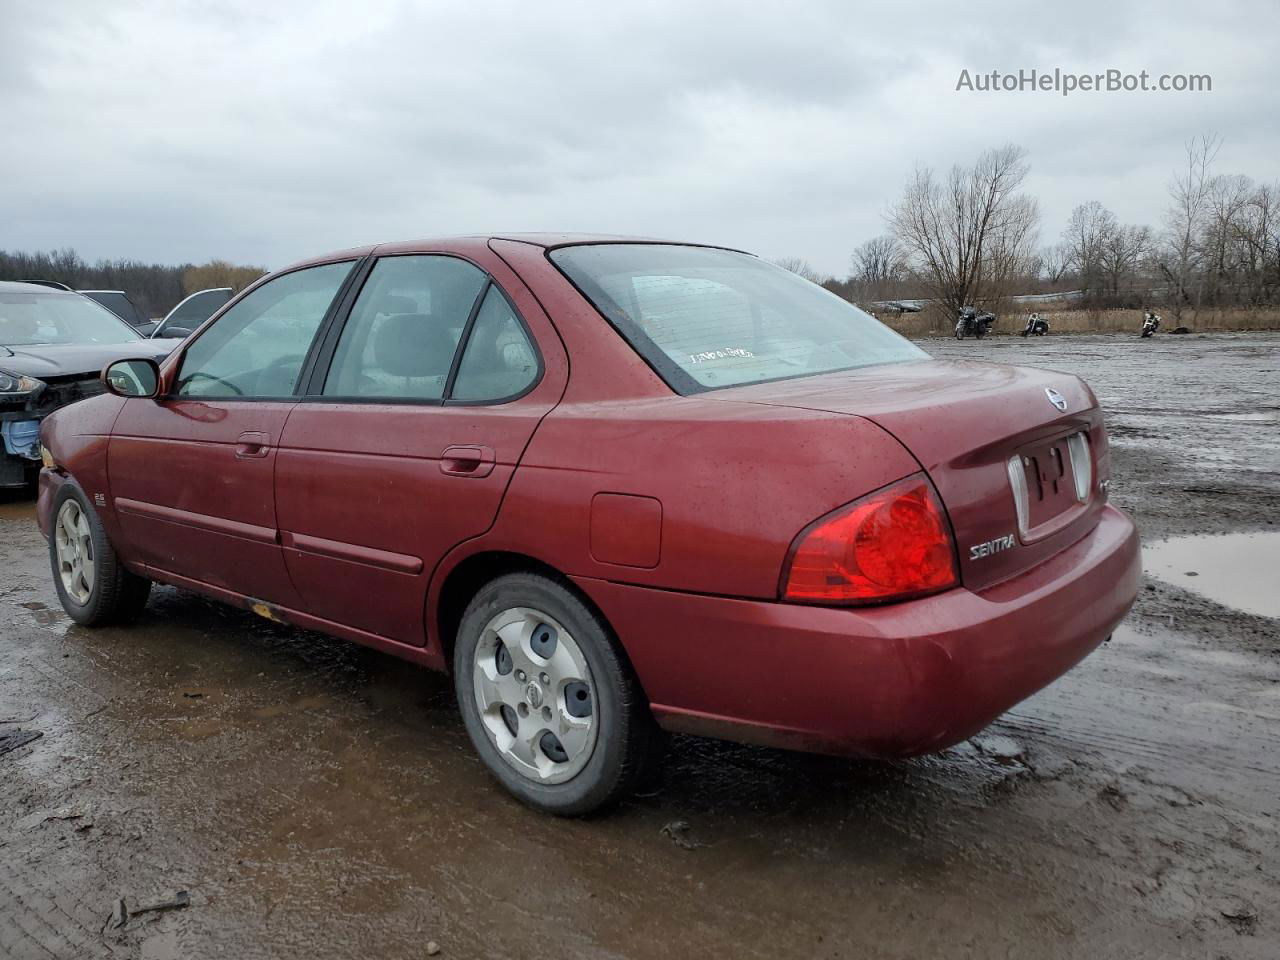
{"x":267,"y":132}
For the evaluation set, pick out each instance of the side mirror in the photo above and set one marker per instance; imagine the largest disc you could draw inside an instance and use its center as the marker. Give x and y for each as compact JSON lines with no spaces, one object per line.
{"x":132,"y":378}
{"x":176,"y":332}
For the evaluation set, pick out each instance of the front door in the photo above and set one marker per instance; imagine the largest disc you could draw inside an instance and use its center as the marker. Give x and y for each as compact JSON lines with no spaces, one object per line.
{"x":406,"y":445}
{"x":191,"y":473}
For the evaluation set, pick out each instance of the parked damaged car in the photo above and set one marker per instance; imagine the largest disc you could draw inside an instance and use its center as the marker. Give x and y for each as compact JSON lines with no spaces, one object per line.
{"x":53,"y":346}
{"x":611,"y":486}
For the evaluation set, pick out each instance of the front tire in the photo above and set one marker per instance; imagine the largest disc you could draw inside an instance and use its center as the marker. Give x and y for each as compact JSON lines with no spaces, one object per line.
{"x":93,"y":585}
{"x":548,"y":698}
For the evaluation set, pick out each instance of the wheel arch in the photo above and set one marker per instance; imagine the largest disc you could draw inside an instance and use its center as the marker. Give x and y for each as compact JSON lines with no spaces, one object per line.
{"x":471,"y":573}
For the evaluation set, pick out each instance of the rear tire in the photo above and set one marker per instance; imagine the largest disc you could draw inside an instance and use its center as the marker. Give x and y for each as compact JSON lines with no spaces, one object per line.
{"x":93,"y":585}
{"x":512,"y":696}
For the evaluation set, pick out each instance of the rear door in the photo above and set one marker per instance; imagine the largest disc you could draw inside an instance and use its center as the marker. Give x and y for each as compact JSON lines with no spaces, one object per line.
{"x":419,"y":409}
{"x":191,"y":473}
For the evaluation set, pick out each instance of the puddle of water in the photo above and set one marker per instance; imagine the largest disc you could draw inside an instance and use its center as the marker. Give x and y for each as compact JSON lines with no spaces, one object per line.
{"x":1238,"y":569}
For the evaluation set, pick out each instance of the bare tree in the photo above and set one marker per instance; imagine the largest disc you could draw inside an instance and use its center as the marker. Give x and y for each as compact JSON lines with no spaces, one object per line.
{"x":877,"y":268}
{"x":1257,"y":233}
{"x":1088,"y":231}
{"x":1185,"y":221}
{"x":1054,"y":262}
{"x":1123,"y":250}
{"x":801,"y":268}
{"x":970,"y":235}
{"x":1229,"y":198}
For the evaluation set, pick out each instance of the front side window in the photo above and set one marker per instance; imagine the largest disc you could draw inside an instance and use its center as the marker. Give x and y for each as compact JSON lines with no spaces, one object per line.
{"x":404,"y":329}
{"x":257,"y":348}
{"x":706,"y":318}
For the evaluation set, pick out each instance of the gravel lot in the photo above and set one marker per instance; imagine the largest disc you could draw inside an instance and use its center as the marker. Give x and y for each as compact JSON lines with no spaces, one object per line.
{"x":320,"y":800}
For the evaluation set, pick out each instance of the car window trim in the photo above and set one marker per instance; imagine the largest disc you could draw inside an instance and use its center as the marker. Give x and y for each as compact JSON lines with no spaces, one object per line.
{"x":316,"y":366}
{"x":324,"y":358}
{"x":307,"y":359}
{"x":450,"y":401}
{"x":464,"y":339}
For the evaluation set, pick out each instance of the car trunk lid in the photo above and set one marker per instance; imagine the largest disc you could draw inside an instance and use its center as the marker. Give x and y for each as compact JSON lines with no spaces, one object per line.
{"x":1017,"y":454}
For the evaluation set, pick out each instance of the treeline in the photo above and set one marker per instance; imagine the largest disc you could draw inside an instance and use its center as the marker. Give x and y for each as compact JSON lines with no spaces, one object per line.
{"x":156,"y":288}
{"x":972,"y":236}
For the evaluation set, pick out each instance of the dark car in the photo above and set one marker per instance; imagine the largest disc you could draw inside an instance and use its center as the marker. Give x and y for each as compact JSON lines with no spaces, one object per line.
{"x":53,"y":346}
{"x":612,"y":486}
{"x":122,"y":305}
{"x":191,"y":312}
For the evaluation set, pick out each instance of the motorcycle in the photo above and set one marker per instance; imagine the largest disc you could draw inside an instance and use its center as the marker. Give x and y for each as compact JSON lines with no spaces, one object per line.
{"x":1037,"y":326}
{"x":1150,"y":324}
{"x":973,"y":322}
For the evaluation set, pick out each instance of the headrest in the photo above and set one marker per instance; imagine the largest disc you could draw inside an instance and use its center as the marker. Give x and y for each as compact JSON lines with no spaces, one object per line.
{"x":413,"y":345}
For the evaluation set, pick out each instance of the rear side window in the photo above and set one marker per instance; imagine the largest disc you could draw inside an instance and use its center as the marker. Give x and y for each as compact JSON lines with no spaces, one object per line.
{"x":256,"y":349}
{"x":404,"y":329}
{"x":499,"y":362}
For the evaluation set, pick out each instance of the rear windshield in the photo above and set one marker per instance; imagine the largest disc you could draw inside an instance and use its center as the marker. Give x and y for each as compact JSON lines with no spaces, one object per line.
{"x":705,"y":318}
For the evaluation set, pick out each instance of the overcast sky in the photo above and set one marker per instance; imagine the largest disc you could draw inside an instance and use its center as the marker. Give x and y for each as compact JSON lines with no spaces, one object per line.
{"x":264,"y":132}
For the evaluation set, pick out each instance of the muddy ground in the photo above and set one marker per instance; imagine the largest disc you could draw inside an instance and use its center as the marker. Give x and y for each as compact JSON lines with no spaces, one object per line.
{"x":320,"y":800}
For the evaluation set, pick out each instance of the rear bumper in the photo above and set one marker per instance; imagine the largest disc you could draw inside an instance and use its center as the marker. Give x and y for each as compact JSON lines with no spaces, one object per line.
{"x":886,"y":681}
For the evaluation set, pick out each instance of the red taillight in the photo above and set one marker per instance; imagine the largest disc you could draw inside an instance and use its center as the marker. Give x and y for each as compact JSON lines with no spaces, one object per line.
{"x":890,"y":545}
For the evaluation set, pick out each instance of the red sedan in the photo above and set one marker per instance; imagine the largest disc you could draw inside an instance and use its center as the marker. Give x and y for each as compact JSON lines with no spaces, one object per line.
{"x":613,"y":486}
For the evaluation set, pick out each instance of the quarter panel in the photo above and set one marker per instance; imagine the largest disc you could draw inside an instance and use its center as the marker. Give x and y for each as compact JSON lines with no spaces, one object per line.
{"x":736,"y":483}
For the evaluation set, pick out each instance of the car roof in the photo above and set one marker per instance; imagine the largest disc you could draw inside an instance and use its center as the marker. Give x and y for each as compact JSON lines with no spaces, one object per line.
{"x":51,"y":284}
{"x":18,"y":286}
{"x":547,"y":240}
{"x":121,"y":292}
